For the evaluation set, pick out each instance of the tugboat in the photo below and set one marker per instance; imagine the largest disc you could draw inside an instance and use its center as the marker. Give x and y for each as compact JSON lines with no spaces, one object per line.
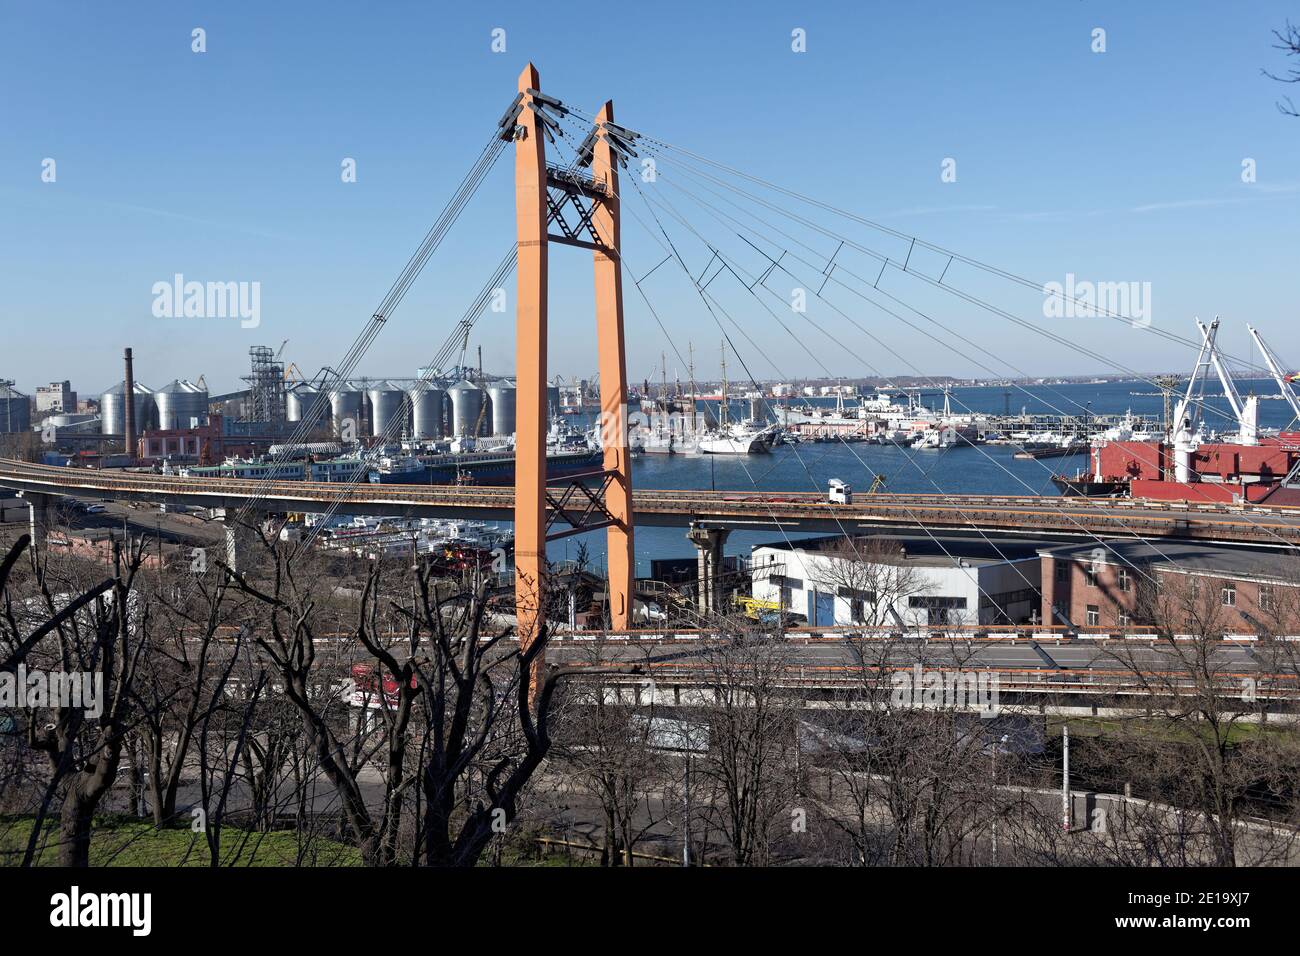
{"x":1091,"y":484}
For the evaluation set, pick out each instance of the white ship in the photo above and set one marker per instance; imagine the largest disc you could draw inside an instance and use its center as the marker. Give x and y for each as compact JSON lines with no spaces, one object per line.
{"x":743,"y":439}
{"x":664,"y":433}
{"x":736,"y":438}
{"x":1130,"y":428}
{"x":883,"y":420}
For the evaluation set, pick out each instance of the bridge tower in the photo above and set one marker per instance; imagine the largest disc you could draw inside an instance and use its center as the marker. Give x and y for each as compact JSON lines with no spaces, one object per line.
{"x":546,"y":196}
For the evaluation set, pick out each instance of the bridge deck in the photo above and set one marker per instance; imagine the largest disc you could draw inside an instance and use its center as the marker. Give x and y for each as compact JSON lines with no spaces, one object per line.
{"x":1040,"y":516}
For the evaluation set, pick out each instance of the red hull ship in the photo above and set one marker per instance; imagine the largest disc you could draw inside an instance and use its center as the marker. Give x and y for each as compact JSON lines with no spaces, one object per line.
{"x":1193,"y":466}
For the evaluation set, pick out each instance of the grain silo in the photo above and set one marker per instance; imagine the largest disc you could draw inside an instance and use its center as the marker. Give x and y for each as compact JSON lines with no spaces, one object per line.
{"x":345,"y":407}
{"x":112,"y":409}
{"x":427,"y":406}
{"x":466,"y":408}
{"x":181,"y":404}
{"x":502,"y":398}
{"x":308,"y":401}
{"x":388,"y":405}
{"x":15,"y":411}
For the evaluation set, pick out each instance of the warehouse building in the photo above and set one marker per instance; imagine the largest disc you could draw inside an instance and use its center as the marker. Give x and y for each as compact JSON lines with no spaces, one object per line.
{"x":904,"y":581}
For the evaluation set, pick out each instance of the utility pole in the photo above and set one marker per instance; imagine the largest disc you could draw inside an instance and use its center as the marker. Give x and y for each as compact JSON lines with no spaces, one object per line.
{"x":1065,"y":777}
{"x":690,"y":373}
{"x":686,"y":812}
{"x":724,"y":413}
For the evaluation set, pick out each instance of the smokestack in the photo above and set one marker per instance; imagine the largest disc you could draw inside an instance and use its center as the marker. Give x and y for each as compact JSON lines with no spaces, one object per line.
{"x":128,"y":409}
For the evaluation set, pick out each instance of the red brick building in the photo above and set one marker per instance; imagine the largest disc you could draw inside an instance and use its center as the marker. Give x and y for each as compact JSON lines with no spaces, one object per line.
{"x":1117,"y":584}
{"x":183,"y":444}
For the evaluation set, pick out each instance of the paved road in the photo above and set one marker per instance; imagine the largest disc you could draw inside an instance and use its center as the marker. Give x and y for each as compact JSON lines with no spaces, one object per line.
{"x":1095,"y":665}
{"x":1046,"y":517}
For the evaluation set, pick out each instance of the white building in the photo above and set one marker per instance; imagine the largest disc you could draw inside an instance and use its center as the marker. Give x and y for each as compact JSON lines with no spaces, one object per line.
{"x":56,"y":397}
{"x":902,"y":581}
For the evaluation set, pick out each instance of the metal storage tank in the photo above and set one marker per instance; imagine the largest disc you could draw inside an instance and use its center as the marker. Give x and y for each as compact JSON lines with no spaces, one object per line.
{"x":66,"y":420}
{"x":502,"y":399}
{"x":112,"y":409}
{"x":15,"y":412}
{"x":427,"y":406}
{"x":345,"y":403}
{"x":307,"y":401}
{"x":180,"y":403}
{"x":466,"y":405}
{"x":388,"y":405}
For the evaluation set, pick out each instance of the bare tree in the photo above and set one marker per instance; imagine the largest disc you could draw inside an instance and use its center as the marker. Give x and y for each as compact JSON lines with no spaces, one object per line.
{"x":1288,"y":41}
{"x":456,"y":706}
{"x":910,"y":744}
{"x":1201,"y":748}
{"x":750,"y":765}
{"x":102,"y":639}
{"x":606,"y":747}
{"x":288,"y":637}
{"x":181,"y":681}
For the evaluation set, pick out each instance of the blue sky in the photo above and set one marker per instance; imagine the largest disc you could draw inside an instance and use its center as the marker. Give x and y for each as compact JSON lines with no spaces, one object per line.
{"x":225,"y":166}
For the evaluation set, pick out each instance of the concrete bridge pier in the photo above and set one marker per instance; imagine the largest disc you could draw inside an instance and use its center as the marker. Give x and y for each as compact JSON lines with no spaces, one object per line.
{"x":43,"y":516}
{"x":241,"y":535}
{"x":709,"y":543}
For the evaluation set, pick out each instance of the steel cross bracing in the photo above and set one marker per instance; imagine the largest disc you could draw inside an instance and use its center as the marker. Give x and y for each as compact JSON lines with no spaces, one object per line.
{"x":594,"y":505}
{"x":570,"y":187}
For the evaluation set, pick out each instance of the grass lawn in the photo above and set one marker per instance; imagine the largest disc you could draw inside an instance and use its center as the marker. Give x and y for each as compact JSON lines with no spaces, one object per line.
{"x":118,"y":841}
{"x":1159,"y":728}
{"x":127,"y":841}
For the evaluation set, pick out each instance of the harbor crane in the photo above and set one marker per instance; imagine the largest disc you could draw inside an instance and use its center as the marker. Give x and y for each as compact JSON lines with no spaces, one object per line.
{"x":1188,"y":414}
{"x":1285,"y":384}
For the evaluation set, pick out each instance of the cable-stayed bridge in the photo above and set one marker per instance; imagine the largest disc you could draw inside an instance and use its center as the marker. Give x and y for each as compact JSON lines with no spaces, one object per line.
{"x":725,"y":234}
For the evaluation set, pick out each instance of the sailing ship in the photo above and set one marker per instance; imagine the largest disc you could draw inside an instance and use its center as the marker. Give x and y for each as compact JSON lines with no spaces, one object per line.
{"x":749,"y":437}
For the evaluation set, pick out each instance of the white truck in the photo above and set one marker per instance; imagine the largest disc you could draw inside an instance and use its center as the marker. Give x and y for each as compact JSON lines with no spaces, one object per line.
{"x":839,"y":493}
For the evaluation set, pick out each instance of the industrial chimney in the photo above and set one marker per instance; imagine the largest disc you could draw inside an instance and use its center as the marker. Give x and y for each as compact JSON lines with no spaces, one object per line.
{"x":128,"y":408}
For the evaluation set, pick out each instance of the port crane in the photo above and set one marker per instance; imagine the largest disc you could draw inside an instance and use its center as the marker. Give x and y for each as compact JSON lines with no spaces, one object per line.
{"x":1284,"y":382}
{"x":1285,"y":385}
{"x":1188,"y":414}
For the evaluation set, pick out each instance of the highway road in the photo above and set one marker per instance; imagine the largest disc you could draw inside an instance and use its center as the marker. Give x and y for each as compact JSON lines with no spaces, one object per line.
{"x":1046,"y":517}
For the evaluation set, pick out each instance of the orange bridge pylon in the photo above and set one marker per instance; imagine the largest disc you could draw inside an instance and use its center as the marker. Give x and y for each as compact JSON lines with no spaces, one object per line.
{"x":547,"y":196}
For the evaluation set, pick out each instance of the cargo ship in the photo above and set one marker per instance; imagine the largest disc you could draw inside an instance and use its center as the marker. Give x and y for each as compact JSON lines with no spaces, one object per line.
{"x":479,"y":468}
{"x":1194,"y":464}
{"x":466,"y":468}
{"x":344,"y":468}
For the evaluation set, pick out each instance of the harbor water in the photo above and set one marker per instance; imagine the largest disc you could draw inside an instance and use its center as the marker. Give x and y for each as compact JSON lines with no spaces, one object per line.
{"x":962,"y":469}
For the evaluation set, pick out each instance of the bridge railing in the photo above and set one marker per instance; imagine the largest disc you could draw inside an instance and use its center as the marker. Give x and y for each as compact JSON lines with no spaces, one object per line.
{"x":997,"y":634}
